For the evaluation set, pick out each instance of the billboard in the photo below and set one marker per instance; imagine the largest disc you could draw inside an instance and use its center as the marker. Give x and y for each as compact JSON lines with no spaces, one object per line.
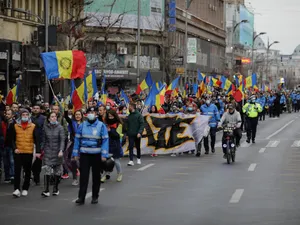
{"x":124,"y":13}
{"x":192,"y":50}
{"x":246,"y":29}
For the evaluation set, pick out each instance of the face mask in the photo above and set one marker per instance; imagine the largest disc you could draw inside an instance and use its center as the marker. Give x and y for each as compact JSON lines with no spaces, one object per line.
{"x":219,"y":97}
{"x":91,"y":117}
{"x":252,"y":100}
{"x":24,"y":119}
{"x":207,"y":102}
{"x":70,"y":116}
{"x":53,"y":122}
{"x":107,"y":107}
{"x":190,"y":109}
{"x":179,"y":101}
{"x":124,"y":111}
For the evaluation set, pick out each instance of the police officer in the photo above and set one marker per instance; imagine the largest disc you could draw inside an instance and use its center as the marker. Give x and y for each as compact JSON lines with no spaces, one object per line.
{"x":91,"y":144}
{"x":251,"y":110}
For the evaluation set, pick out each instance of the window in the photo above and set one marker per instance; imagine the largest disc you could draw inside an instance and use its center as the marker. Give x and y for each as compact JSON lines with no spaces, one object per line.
{"x":130,"y":49}
{"x":145,"y":50}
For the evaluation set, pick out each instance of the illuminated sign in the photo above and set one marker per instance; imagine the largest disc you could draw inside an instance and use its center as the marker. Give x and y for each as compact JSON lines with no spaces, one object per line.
{"x":246,"y":61}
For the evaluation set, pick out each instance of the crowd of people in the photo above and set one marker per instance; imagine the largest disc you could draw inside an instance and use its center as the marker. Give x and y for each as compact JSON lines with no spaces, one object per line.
{"x":60,"y":141}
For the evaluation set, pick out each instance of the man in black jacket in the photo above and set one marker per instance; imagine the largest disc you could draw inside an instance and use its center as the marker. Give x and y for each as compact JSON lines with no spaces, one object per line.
{"x":39,"y":121}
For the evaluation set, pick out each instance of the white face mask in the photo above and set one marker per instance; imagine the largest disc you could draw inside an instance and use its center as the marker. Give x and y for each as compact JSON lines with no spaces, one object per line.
{"x":91,"y":117}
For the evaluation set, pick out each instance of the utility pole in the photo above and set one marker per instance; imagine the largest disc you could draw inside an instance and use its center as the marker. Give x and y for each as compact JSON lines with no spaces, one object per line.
{"x":46,"y":21}
{"x":7,"y":71}
{"x":138,"y":42}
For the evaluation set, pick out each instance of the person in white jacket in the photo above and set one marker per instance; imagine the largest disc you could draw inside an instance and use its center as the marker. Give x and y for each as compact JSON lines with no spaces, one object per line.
{"x":232,"y":116}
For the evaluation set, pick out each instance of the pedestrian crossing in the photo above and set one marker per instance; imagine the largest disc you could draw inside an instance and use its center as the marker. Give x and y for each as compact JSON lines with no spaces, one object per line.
{"x":268,"y":144}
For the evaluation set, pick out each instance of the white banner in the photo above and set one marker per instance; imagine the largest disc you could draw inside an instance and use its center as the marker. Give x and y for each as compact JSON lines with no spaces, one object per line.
{"x":172,"y":133}
{"x":192,"y":50}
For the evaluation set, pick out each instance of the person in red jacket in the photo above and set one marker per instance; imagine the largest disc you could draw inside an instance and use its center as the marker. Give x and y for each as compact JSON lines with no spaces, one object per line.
{"x":8,"y":159}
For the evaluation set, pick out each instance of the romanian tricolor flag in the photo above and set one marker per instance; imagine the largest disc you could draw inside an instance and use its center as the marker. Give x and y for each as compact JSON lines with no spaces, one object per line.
{"x":201,"y":76}
{"x":156,"y":97}
{"x":64,"y":64}
{"x":90,"y":88}
{"x":77,"y":96}
{"x":226,"y":84}
{"x":173,"y":85}
{"x":201,"y":89}
{"x":265,"y":88}
{"x":147,"y":83}
{"x":104,"y":98}
{"x":230,"y":90}
{"x":12,"y":95}
{"x":250,"y":81}
{"x":215,"y":82}
{"x":255,"y":88}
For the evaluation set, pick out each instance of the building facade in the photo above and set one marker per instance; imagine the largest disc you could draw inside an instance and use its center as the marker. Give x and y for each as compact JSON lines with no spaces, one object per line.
{"x":19,"y":22}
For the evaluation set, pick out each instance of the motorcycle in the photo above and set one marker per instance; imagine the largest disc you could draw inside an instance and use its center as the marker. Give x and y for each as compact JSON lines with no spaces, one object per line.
{"x":229,"y":143}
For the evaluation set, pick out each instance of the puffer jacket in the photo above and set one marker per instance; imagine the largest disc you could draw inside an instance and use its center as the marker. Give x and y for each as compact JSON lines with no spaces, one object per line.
{"x":54,"y":141}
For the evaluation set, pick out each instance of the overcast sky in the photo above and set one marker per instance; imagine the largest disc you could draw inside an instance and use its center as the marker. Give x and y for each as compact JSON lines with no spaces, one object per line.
{"x":280,"y":19}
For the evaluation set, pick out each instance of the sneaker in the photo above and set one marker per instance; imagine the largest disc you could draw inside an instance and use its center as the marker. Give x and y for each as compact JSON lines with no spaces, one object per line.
{"x":103,"y":179}
{"x":213,"y":150}
{"x":55,"y":193}
{"x":75,"y":183}
{"x":130,"y":163}
{"x":119,"y":178}
{"x":94,"y":201}
{"x":138,"y":162}
{"x":65,"y":176}
{"x":7,"y":181}
{"x":24,"y":193}
{"x":17,"y":193}
{"x":45,"y":193}
{"x":248,"y":140}
{"x":173,"y":155}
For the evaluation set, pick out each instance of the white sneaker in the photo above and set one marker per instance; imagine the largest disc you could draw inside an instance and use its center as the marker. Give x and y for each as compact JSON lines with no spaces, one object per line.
{"x":24,"y":193}
{"x":75,"y":183}
{"x":130,"y":163}
{"x":173,"y":155}
{"x":138,"y":162}
{"x":17,"y":193}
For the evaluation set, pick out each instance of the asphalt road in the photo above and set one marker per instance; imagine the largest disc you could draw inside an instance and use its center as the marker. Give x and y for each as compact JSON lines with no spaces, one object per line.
{"x":262,"y":187}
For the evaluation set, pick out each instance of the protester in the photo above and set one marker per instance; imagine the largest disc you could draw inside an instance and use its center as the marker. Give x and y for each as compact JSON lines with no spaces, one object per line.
{"x":39,"y":121}
{"x":24,"y":135}
{"x":53,"y":147}
{"x":8,"y":154}
{"x":135,"y":128}
{"x":115,"y":132}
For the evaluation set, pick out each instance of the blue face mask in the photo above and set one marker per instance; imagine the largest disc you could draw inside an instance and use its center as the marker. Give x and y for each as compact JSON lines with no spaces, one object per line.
{"x":91,"y":117}
{"x":53,"y":122}
{"x":190,"y":109}
{"x":24,"y":119}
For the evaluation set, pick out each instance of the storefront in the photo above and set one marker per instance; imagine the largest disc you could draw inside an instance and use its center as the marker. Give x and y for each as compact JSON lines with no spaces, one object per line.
{"x":10,"y":63}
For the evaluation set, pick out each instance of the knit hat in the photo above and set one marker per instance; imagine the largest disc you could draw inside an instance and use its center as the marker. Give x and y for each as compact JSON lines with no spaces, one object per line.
{"x":23,"y":111}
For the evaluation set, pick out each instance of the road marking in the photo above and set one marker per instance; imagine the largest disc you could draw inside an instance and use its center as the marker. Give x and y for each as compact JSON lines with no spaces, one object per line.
{"x":245,"y":145}
{"x":236,"y":196}
{"x":262,"y":150}
{"x":145,"y":167}
{"x":252,"y":167}
{"x":272,"y":144}
{"x":276,"y":132}
{"x":88,"y":195}
{"x":181,"y":173}
{"x":296,"y":144}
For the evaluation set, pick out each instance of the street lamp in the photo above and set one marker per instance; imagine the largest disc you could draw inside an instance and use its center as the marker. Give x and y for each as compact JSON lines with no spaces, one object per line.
{"x":232,"y":44}
{"x":268,"y":49}
{"x":252,"y":54}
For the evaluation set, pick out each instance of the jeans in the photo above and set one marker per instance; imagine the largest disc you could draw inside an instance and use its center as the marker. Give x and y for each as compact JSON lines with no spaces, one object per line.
{"x":8,"y":161}
{"x":118,"y":166}
{"x":137,"y":142}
